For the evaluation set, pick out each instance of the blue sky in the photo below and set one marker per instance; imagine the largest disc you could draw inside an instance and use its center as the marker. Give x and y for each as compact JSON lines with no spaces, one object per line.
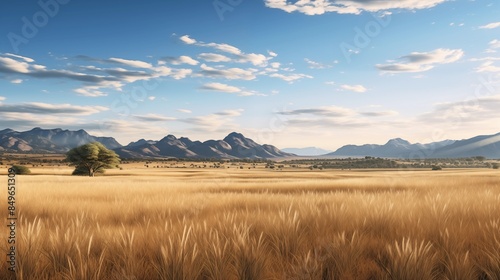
{"x":290,"y":73}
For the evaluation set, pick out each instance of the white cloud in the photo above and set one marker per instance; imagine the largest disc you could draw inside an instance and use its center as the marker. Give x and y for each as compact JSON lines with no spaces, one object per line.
{"x":239,"y":56}
{"x":213,"y":57}
{"x":424,"y":61}
{"x":220,"y":87}
{"x":488,"y":67}
{"x":132,"y":63}
{"x":491,"y":25}
{"x":46,"y":108}
{"x":94,"y":79}
{"x":228,"y":89}
{"x":90,"y":91}
{"x":16,"y":81}
{"x":230,"y":113}
{"x":153,"y":118}
{"x":354,"y":88}
{"x":187,"y":40}
{"x":185,"y":111}
{"x":152,"y":98}
{"x":318,"y":7}
{"x":183,"y":59}
{"x":2,"y":98}
{"x":27,"y":59}
{"x":489,"y":58}
{"x":11,"y":65}
{"x":273,"y":54}
{"x":222,"y":47}
{"x":316,"y":65}
{"x":230,"y":73}
{"x":291,"y":77}
{"x":495,"y":44}
{"x":255,"y":59}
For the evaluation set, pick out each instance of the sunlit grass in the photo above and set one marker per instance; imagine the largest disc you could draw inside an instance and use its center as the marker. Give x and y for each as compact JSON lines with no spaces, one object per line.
{"x":258,"y":224}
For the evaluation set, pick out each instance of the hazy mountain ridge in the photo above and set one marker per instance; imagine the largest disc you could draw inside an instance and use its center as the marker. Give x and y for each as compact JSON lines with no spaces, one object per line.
{"x":484,"y":145}
{"x":235,"y":146}
{"x":49,"y":140}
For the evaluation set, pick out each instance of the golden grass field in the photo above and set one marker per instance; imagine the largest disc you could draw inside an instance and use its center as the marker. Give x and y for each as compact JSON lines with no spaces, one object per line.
{"x":146,"y":223}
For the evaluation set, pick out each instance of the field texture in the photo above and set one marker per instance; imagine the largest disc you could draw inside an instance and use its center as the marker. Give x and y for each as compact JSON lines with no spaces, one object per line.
{"x":139,"y":223}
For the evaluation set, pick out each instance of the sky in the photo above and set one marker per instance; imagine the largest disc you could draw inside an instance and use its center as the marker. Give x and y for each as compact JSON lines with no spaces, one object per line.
{"x":293,"y":74}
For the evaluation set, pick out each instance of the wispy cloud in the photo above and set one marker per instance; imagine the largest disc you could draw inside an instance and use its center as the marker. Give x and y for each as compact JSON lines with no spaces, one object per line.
{"x":354,"y":88}
{"x":45,"y":108}
{"x":213,"y":57}
{"x":319,"y":7}
{"x":237,"y":55}
{"x":482,"y":109}
{"x":421,"y":61}
{"x":183,"y":59}
{"x":228,"y":89}
{"x":187,"y":40}
{"x":290,"y":77}
{"x":185,"y":111}
{"x":220,"y":87}
{"x":132,"y":63}
{"x":488,"y":66}
{"x":229,"y":73}
{"x":490,"y":25}
{"x":316,"y":65}
{"x":330,"y":117}
{"x":153,"y":118}
{"x":223,"y":120}
{"x":330,"y":111}
{"x":94,"y":79}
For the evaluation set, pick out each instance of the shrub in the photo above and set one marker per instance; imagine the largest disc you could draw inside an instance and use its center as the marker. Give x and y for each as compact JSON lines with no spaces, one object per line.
{"x":436,"y":167}
{"x":83,"y":171}
{"x":21,"y":170}
{"x":495,"y":165}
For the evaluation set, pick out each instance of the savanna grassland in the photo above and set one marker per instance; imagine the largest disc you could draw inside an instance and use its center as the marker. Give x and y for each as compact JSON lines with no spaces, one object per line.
{"x":232,"y":223}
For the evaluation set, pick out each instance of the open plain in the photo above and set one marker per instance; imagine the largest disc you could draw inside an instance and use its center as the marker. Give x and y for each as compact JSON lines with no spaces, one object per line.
{"x":249,"y":222}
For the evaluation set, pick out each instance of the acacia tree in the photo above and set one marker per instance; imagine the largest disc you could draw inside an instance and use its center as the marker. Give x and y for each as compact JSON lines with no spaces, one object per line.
{"x":92,"y":158}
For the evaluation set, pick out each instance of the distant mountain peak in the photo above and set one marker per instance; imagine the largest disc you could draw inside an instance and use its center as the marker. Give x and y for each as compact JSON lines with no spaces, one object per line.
{"x":483,"y":145}
{"x":235,"y":135}
{"x":398,"y":141}
{"x":233,"y":146}
{"x":169,"y":137}
{"x":7,"y":130}
{"x":51,"y":140}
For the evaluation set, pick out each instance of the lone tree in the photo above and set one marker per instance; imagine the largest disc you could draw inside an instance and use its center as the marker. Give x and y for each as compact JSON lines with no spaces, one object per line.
{"x":21,"y":170}
{"x":92,"y":158}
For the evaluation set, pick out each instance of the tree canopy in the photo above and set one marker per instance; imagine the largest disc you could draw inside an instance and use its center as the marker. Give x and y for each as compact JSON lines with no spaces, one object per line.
{"x":21,"y":170}
{"x":92,"y":158}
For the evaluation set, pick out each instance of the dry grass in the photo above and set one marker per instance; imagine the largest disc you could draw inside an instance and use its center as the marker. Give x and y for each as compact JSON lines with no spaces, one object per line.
{"x":257,"y":224}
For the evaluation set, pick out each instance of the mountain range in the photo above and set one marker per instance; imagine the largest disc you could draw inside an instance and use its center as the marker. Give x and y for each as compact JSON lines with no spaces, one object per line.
{"x":233,"y":146}
{"x":484,"y":145}
{"x":237,"y":146}
{"x":49,"y":140}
